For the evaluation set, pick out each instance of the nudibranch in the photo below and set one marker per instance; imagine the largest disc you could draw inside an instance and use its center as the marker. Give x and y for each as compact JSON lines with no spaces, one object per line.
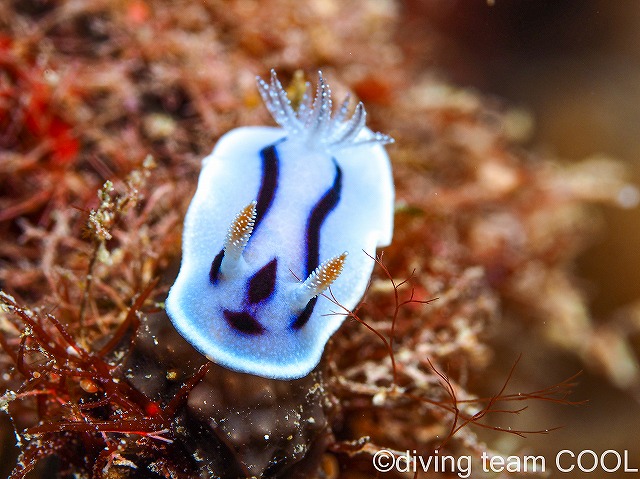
{"x":280,"y":214}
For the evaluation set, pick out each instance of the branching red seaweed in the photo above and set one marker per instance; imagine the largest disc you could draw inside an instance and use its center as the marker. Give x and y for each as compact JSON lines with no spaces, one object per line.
{"x":81,"y":392}
{"x":461,"y":413}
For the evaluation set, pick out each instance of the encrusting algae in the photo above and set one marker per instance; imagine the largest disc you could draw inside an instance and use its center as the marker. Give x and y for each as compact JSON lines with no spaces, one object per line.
{"x":93,"y":373}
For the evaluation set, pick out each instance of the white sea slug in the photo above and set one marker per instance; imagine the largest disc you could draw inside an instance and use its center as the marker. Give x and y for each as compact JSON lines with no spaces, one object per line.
{"x":274,"y":216}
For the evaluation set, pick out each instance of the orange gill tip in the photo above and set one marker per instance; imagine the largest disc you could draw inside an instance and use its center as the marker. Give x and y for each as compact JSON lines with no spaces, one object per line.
{"x":319,"y":280}
{"x":237,"y":238}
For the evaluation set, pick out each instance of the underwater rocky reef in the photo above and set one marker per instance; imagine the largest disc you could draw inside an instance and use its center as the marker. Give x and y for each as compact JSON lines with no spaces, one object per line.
{"x":475,"y":325}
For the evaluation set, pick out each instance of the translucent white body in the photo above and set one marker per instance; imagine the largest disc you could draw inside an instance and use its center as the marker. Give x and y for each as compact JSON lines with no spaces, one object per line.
{"x":360,"y":218}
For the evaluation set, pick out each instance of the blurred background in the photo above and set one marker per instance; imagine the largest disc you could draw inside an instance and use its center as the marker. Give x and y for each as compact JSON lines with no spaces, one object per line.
{"x":575,"y":67}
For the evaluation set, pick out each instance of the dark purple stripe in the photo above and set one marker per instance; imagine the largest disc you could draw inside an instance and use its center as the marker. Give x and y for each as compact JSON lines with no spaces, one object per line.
{"x":303,"y":317}
{"x":263,"y":283}
{"x":319,"y":213}
{"x":266,"y":193}
{"x":243,"y":322}
{"x":214,"y":272}
{"x":269,"y":184}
